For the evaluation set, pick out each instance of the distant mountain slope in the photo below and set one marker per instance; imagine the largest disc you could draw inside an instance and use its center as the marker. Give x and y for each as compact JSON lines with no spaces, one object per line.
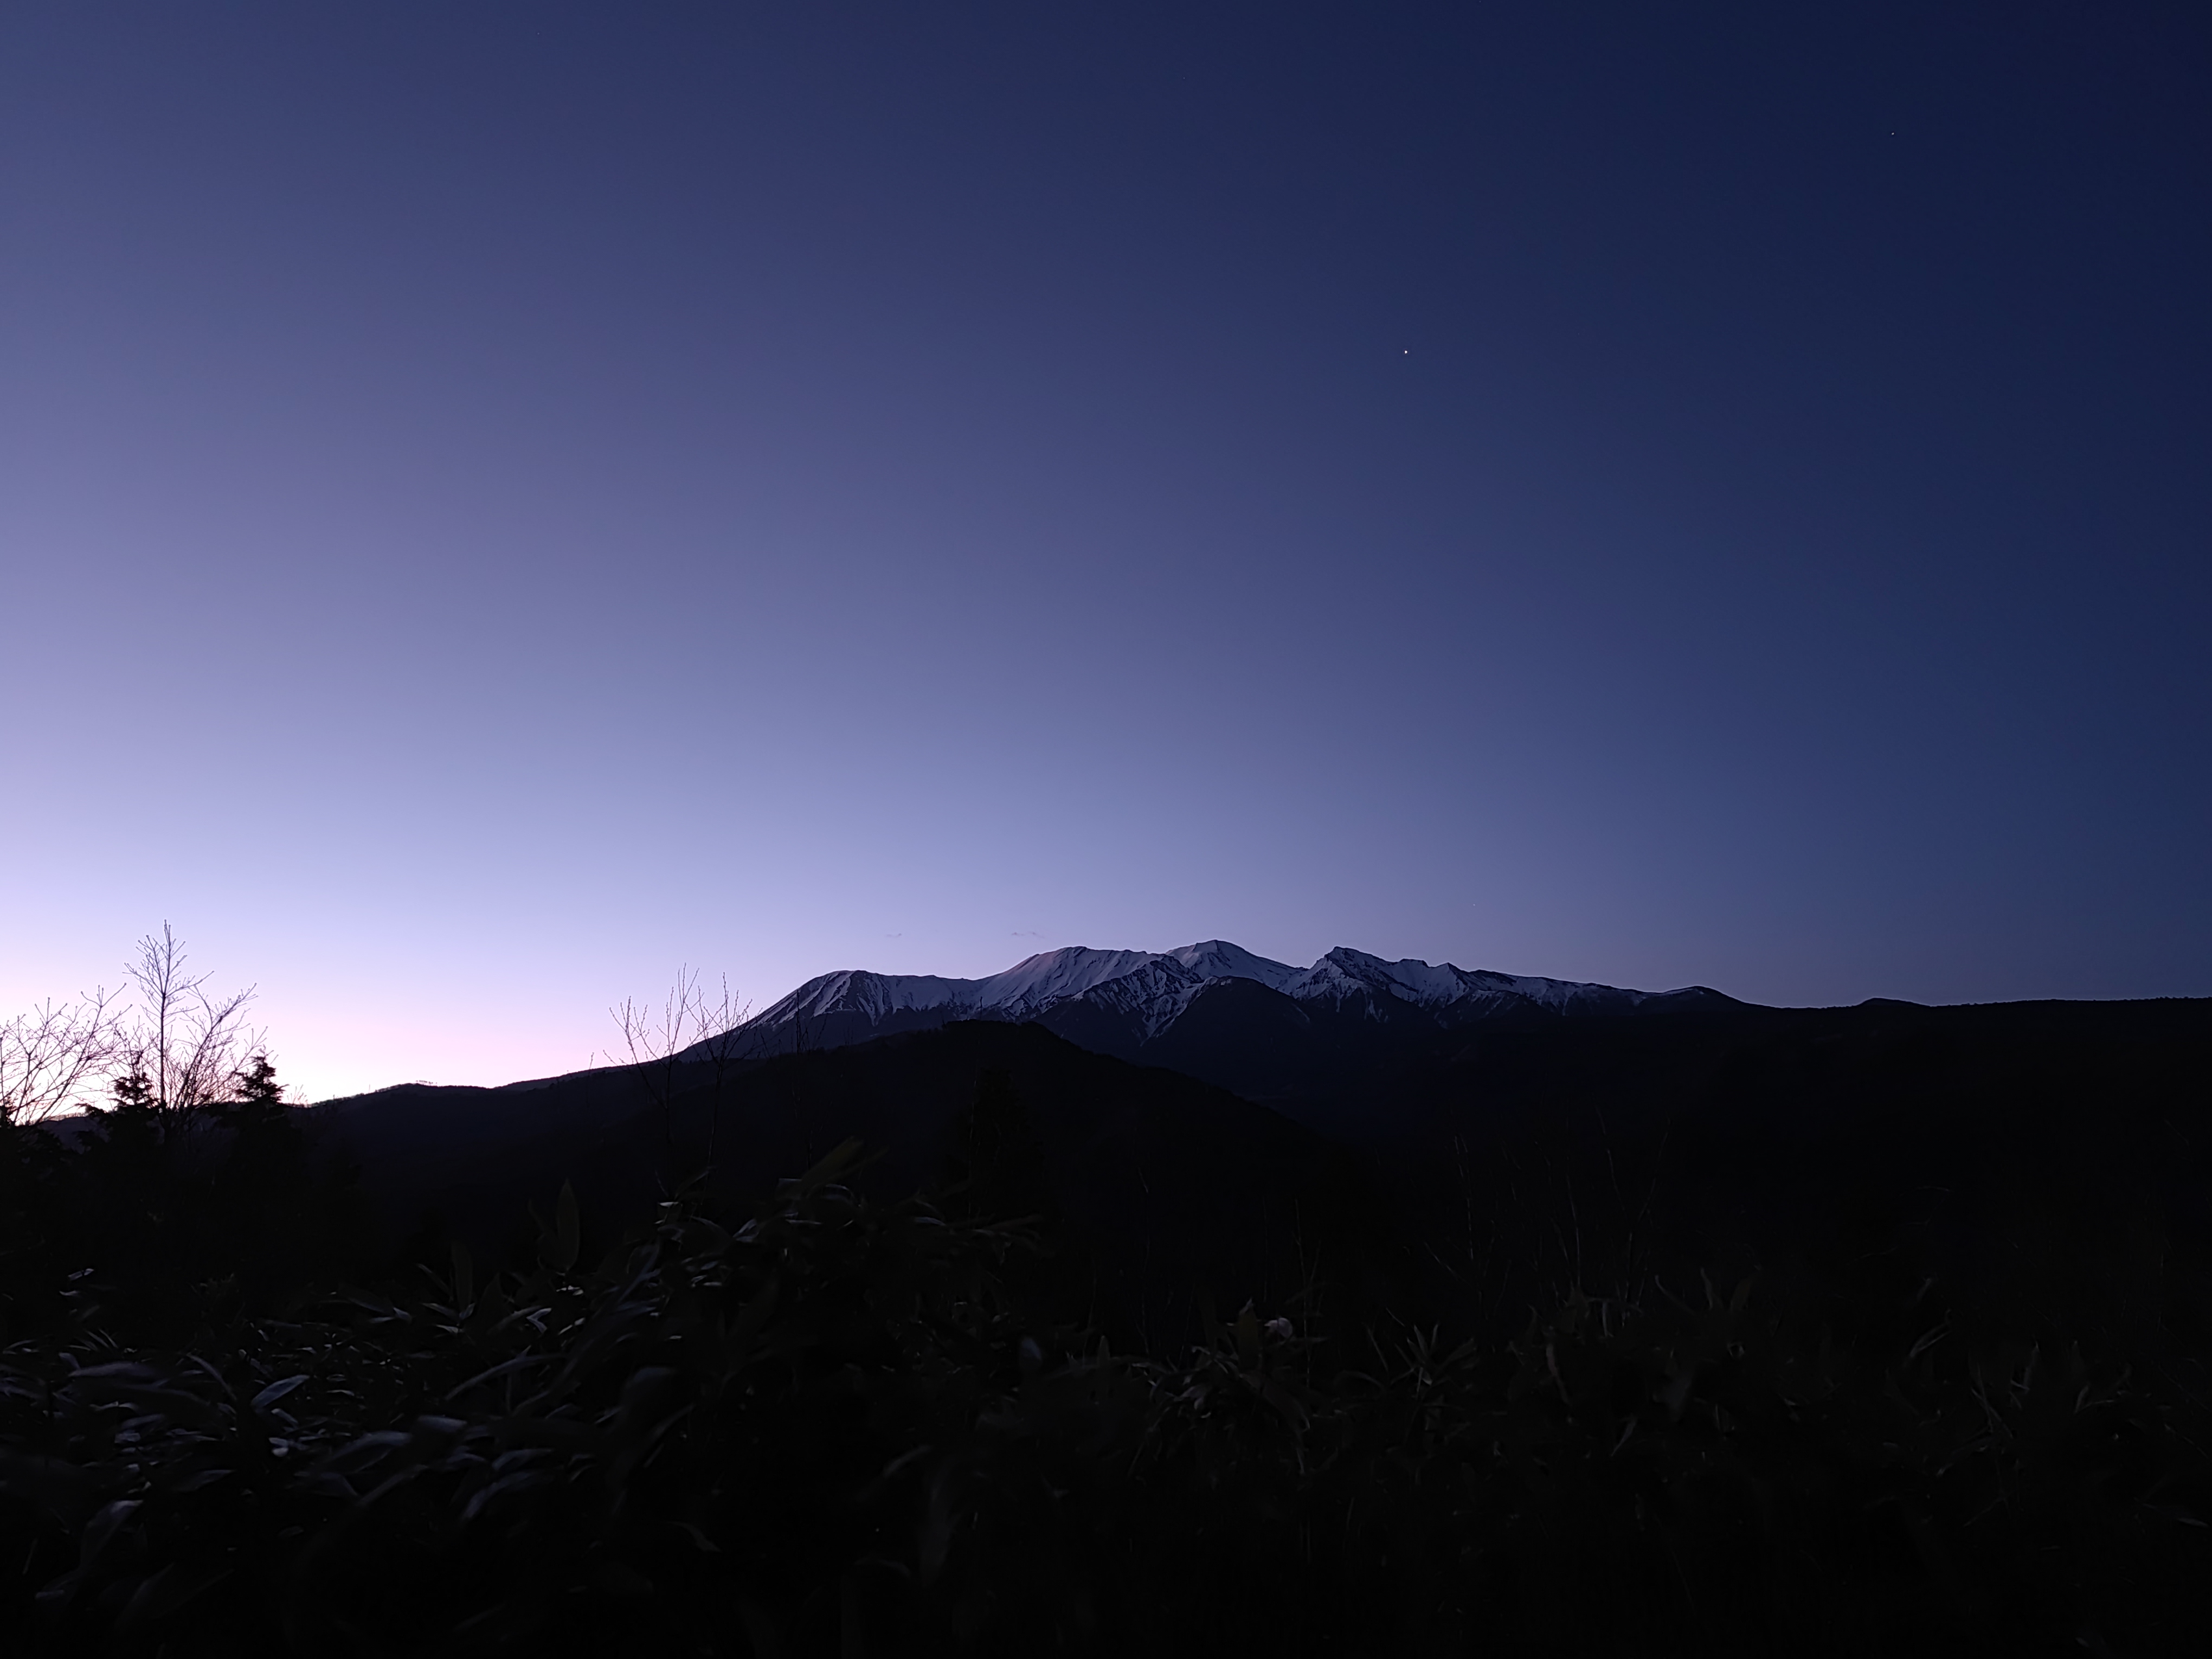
{"x":1213,"y":1009}
{"x":2056,"y":1153}
{"x":1168,"y":1188}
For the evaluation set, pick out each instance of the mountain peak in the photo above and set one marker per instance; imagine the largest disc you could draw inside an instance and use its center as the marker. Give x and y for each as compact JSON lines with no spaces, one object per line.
{"x":1217,"y":958}
{"x":1214,"y":1009}
{"x":1140,"y":994}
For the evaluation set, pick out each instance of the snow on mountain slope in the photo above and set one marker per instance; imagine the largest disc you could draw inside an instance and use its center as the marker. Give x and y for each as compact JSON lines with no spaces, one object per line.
{"x":1145,"y":992}
{"x":1039,"y":981}
{"x":1030,"y":985}
{"x":1153,"y":996}
{"x":1345,"y":973}
{"x":875,"y":996}
{"x":1218,"y":959}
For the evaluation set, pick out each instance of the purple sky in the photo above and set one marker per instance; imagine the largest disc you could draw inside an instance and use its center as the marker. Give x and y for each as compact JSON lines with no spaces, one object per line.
{"x":499,"y":500}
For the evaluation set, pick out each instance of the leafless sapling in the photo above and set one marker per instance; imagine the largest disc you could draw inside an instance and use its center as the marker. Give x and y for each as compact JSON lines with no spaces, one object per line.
{"x":724,"y":1042}
{"x":689,"y":1027}
{"x":188,"y":1045}
{"x":53,"y":1058}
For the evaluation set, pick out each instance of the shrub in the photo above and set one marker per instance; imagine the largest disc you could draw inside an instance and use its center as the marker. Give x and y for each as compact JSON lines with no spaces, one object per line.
{"x":824,"y":1424}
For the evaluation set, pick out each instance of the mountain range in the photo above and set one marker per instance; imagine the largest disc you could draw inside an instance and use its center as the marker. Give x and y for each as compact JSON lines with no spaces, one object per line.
{"x":1214,"y":1010}
{"x":1199,"y":1115}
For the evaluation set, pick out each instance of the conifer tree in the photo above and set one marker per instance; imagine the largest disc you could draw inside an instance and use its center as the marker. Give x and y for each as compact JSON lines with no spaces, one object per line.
{"x":130,"y":1144}
{"x":258,"y":1084}
{"x":257,"y":1098}
{"x":134,"y":1090}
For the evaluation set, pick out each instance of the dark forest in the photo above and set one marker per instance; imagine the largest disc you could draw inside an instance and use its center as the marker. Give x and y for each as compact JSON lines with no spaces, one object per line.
{"x":1870,"y":1331}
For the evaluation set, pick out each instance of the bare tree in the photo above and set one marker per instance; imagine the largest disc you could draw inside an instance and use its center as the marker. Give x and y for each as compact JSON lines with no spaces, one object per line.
{"x":689,"y":1027}
{"x":654,"y":1040}
{"x":721,"y":1045}
{"x":51,"y":1058}
{"x":188,"y":1045}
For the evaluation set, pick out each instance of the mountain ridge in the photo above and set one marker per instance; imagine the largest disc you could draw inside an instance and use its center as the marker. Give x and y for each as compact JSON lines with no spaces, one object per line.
{"x":1135,"y":1003}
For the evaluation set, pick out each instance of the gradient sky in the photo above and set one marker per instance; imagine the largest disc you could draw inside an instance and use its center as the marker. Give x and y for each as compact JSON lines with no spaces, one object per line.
{"x":497,"y":501}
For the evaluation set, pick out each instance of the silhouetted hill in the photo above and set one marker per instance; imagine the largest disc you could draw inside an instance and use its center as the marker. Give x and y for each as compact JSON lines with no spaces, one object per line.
{"x":2046,"y":1152}
{"x":1207,"y":1008}
{"x":1873,"y":1330}
{"x":1165,"y":1186}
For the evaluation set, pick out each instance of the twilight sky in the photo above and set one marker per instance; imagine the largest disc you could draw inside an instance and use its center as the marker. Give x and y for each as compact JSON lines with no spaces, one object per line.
{"x":497,"y":501}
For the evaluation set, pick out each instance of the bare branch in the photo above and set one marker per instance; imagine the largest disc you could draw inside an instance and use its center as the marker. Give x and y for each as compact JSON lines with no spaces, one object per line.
{"x":689,"y":1026}
{"x":52,"y":1057}
{"x":211,"y":1050}
{"x":720,"y":1040}
{"x":188,"y":1044}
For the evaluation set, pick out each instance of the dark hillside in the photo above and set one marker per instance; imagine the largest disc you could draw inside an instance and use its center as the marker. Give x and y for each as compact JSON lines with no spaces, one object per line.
{"x":2055,"y":1155}
{"x":1168,"y":1186}
{"x":1302,"y":1054}
{"x":2041,"y":1153}
{"x":1907,"y":1356}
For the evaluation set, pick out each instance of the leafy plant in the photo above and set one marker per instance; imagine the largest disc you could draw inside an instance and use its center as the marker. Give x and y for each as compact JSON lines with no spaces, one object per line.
{"x":820,"y":1424}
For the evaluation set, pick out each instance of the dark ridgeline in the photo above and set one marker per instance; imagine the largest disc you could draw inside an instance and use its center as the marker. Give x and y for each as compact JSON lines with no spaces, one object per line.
{"x":1464,"y":1176}
{"x":1710,"y":1330}
{"x":1165,"y":1189}
{"x":1213,"y":1010}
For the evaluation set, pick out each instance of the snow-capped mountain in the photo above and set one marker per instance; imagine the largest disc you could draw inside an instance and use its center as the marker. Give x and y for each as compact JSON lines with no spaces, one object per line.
{"x":1190,"y":1006}
{"x":1024,"y":990}
{"x":1345,"y":974}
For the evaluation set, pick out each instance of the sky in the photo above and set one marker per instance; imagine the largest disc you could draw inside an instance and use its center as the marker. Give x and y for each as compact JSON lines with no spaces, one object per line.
{"x":499,"y":502}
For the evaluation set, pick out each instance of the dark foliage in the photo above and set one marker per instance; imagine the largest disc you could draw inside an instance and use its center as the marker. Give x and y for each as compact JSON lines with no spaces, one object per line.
{"x":1158,"y":1186}
{"x":816,"y":1423}
{"x":171,"y":1219}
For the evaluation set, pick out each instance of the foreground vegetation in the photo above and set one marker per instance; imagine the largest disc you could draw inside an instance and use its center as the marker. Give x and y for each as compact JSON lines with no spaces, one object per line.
{"x":821,"y":1423}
